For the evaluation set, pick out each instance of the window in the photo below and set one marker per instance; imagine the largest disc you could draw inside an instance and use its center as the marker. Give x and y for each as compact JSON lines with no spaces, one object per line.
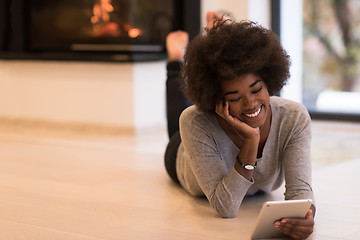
{"x":323,"y":41}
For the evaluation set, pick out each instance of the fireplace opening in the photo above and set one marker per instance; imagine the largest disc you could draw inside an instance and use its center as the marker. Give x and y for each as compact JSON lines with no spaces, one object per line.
{"x":115,"y":30}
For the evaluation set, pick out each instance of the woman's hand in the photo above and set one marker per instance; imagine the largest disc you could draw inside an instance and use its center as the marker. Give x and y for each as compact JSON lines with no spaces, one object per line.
{"x":246,"y":131}
{"x":297,"y":228}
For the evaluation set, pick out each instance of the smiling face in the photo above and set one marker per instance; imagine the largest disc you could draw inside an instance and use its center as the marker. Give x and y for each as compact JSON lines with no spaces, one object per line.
{"x":248,"y":99}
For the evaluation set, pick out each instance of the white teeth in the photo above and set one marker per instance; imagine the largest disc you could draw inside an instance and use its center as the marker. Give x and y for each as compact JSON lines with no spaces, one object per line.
{"x":255,"y":114}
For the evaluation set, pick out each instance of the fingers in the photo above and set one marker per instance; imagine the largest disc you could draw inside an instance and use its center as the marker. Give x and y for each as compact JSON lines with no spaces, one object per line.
{"x":309,"y":215}
{"x":297,"y":228}
{"x":223,"y":110}
{"x":307,"y":221}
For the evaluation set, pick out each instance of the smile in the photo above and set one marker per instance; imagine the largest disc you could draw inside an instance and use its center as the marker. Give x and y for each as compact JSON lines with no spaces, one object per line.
{"x":255,"y":114}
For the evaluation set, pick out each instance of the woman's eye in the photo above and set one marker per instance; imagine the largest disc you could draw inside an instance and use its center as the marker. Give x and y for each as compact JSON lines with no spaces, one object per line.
{"x":257,"y":90}
{"x":234,"y":99}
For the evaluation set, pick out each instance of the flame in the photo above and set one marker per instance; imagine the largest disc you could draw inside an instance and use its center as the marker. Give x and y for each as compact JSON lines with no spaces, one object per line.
{"x":134,"y":32}
{"x":102,"y":24}
{"x":101,"y":11}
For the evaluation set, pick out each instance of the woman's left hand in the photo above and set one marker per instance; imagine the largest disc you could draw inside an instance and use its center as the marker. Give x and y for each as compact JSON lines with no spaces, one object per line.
{"x":296,"y":228}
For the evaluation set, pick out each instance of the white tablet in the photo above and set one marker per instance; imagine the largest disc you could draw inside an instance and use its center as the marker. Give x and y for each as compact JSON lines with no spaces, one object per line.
{"x":272,"y":211}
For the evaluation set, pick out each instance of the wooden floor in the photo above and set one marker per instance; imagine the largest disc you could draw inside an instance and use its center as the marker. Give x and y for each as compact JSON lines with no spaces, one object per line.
{"x":87,"y":186}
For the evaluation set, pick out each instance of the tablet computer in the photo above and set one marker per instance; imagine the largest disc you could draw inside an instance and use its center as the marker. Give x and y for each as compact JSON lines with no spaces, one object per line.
{"x":272,"y":211}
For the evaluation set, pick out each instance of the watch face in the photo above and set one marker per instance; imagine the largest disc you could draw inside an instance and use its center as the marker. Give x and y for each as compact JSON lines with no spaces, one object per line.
{"x":249,"y":167}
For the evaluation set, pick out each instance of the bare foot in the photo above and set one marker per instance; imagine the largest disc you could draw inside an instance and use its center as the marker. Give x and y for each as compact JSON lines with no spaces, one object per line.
{"x":176,"y":43}
{"x":211,"y":17}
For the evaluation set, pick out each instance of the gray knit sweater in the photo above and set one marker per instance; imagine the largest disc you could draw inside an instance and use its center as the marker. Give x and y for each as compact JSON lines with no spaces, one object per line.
{"x":206,"y":158}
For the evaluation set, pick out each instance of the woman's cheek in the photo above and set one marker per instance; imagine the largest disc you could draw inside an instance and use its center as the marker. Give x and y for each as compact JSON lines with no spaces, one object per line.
{"x":233,"y":110}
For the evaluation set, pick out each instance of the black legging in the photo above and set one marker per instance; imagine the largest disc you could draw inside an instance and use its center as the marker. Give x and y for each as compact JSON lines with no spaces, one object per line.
{"x":176,"y":102}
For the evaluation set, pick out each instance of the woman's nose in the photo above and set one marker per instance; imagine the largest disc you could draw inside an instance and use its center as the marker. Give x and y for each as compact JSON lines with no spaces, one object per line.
{"x":249,"y":102}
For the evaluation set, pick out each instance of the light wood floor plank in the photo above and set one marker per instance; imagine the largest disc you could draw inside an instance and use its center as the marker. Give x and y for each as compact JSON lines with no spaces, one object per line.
{"x":88,"y":187}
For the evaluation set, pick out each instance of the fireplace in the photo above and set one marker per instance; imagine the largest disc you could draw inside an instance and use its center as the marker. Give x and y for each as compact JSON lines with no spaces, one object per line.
{"x":100,"y":30}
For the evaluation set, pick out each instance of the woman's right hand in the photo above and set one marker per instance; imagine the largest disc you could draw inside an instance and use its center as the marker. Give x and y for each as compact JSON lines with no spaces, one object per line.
{"x":246,"y":131}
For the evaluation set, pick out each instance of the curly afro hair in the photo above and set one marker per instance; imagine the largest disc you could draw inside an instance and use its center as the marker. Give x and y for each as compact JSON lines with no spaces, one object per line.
{"x":226,"y":51}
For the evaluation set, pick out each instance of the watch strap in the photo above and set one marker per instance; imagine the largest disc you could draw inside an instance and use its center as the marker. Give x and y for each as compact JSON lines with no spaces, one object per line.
{"x":246,"y":166}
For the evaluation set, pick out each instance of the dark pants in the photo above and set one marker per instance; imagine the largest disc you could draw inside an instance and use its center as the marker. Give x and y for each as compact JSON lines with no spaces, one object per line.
{"x":176,"y":102}
{"x":170,"y":156}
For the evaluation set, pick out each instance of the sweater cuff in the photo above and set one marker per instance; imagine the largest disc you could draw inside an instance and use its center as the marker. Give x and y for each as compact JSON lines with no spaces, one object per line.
{"x":241,"y":181}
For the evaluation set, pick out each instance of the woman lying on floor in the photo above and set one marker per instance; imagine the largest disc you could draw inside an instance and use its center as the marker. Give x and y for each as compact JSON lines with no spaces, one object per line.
{"x":238,"y":139}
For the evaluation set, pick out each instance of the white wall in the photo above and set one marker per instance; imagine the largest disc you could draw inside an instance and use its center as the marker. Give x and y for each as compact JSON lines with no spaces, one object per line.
{"x":149,"y":94}
{"x":239,"y":8}
{"x":255,"y":10}
{"x":291,"y":39}
{"x":260,"y":11}
{"x":107,"y":94}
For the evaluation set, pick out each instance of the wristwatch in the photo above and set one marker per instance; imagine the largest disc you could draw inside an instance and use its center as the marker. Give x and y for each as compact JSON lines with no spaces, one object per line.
{"x":246,"y":166}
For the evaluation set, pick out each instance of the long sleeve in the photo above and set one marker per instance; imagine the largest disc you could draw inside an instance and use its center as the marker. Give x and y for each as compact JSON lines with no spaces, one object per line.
{"x":214,"y":170}
{"x":297,"y":157}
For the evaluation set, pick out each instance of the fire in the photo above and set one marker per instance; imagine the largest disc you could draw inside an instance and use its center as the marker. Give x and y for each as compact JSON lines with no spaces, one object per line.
{"x":101,"y":11}
{"x":102,"y":24}
{"x":134,"y":32}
